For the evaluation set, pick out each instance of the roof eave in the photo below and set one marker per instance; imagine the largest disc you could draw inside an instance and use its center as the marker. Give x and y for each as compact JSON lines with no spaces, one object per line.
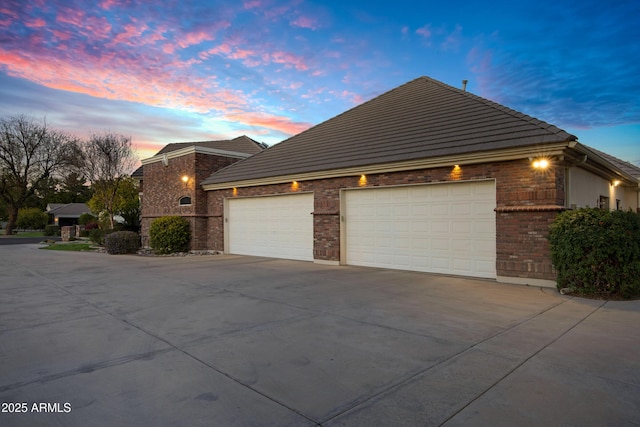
{"x":603,"y":167}
{"x":552,"y":149}
{"x":194,"y":149}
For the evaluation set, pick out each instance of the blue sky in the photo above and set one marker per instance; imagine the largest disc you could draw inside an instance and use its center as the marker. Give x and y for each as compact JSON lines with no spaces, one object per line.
{"x":187,"y":70}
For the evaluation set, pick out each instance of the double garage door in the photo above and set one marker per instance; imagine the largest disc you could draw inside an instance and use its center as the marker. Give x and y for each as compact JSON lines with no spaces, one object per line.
{"x":437,"y":228}
{"x":440,"y":228}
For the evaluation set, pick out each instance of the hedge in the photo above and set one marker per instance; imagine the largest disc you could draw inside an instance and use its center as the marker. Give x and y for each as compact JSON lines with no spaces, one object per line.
{"x":169,"y":234}
{"x":122,"y":242}
{"x":596,"y":252}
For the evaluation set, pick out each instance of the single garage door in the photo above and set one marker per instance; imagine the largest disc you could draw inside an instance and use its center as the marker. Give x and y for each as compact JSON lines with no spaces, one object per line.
{"x":439,"y":228}
{"x":273,"y":226}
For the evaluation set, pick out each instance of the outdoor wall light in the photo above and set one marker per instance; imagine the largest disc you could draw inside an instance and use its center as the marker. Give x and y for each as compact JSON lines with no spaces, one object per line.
{"x":615,"y":183}
{"x":185,"y":179}
{"x":456,"y":172}
{"x":362,"y":181}
{"x":541,"y":163}
{"x":294,"y":186}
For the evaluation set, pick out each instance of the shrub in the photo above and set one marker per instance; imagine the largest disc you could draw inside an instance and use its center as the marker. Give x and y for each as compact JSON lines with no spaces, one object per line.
{"x":31,"y":219}
{"x":169,"y":234}
{"x":597,"y":252}
{"x":51,"y":230}
{"x":97,"y":235}
{"x":87,"y":218}
{"x":122,"y":242}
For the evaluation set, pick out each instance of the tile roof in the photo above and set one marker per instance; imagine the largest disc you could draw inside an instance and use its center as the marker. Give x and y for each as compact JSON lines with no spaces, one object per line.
{"x":421,"y":119}
{"x":626,"y":167}
{"x":241,"y":144}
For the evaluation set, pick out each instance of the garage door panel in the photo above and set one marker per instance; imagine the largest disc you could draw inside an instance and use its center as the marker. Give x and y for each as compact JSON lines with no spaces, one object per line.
{"x":443,"y":228}
{"x":278,"y":226}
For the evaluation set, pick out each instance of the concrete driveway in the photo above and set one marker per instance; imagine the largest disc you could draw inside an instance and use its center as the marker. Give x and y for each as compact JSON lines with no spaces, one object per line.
{"x":99,"y":340}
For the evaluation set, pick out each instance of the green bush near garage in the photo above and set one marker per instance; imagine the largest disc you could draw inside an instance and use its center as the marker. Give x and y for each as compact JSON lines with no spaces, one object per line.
{"x":169,"y":234}
{"x":596,"y":252}
{"x":122,"y":242}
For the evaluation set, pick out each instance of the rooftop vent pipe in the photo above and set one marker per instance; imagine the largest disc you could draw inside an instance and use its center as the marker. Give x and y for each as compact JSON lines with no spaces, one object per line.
{"x":464,"y":85}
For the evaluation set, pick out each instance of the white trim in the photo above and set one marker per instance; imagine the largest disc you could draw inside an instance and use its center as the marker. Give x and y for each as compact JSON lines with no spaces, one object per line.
{"x":191,"y":150}
{"x":326,"y":262}
{"x":428,"y":163}
{"x":543,"y":283}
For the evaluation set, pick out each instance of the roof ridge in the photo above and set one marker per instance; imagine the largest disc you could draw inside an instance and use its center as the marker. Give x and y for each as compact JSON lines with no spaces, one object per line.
{"x":497,"y":106}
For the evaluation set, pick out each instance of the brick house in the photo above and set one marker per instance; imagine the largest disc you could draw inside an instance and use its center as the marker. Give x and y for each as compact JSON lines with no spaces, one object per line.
{"x":425,"y":177}
{"x":170,"y":181}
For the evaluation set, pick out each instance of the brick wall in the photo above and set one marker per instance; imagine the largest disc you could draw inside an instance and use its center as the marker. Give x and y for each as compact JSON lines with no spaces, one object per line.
{"x":527,"y":201}
{"x":163,"y":187}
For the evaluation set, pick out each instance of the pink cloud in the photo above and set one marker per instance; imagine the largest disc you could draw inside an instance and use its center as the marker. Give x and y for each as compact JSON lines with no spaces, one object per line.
{"x":11,"y":14}
{"x":305,"y":22}
{"x":424,"y":31}
{"x":352,"y":97}
{"x":153,"y":36}
{"x":252,"y":4}
{"x":195,"y":38}
{"x":131,"y":79}
{"x":90,"y":26}
{"x":98,"y":27}
{"x":71,"y":16}
{"x":290,"y":60}
{"x":269,"y":121}
{"x":108,"y":4}
{"x":36,"y":23}
{"x":61,"y":35}
{"x":131,"y":31}
{"x":453,"y":40}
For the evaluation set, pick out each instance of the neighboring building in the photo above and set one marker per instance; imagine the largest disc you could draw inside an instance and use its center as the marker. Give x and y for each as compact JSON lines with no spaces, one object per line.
{"x":425,"y":177}
{"x":64,"y":214}
{"x":170,"y":181}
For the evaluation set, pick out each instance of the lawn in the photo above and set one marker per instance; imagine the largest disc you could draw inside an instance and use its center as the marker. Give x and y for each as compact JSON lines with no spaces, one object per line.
{"x":75,"y":247}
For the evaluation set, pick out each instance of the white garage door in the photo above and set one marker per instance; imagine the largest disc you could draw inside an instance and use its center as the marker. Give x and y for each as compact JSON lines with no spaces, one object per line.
{"x":275,"y":226}
{"x":438,"y":228}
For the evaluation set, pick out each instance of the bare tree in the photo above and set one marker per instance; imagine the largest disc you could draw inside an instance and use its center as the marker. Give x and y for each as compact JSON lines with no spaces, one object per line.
{"x":30,"y":153}
{"x":108,"y":160}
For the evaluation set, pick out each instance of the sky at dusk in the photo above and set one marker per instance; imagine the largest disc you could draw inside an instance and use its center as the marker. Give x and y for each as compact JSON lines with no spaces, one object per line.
{"x":193,"y":70}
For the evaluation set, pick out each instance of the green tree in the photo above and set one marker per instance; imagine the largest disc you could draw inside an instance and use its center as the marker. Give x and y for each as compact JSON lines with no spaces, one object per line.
{"x":30,"y":154}
{"x":125,"y":202}
{"x":108,"y":161}
{"x":31,"y":219}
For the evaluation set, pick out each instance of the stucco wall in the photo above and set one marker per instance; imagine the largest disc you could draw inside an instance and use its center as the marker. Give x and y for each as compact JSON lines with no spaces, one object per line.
{"x":585,"y":188}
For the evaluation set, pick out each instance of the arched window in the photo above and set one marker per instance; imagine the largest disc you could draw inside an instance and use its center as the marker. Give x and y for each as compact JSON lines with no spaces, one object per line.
{"x":184,"y":201}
